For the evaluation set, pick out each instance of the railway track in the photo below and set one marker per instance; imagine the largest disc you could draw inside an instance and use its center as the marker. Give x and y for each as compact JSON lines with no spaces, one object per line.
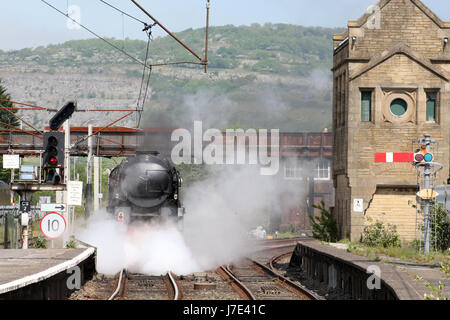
{"x":255,"y":281}
{"x":252,"y":278}
{"x":134,"y":286}
{"x":256,"y":278}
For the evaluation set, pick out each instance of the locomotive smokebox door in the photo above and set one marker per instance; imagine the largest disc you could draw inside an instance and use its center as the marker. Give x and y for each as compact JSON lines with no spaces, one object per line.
{"x":122,"y":214}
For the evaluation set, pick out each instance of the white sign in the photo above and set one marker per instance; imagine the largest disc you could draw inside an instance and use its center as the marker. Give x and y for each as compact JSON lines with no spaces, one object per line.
{"x":75,"y":193}
{"x":11,"y":161}
{"x":53,"y":225}
{"x":358,"y":205}
{"x":53,"y":207}
{"x":45,"y":199}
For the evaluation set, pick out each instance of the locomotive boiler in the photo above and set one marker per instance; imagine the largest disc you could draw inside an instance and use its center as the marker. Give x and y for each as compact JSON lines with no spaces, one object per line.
{"x":145,"y":187}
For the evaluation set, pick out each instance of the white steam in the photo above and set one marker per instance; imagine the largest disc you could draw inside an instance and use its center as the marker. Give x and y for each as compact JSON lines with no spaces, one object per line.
{"x":219,"y":213}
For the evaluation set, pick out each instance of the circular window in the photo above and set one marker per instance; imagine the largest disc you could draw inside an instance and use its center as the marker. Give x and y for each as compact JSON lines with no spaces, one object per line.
{"x":399,"y":107}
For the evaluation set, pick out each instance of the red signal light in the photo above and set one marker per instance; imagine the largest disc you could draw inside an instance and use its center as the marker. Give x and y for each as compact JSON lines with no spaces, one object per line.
{"x":419,"y":157}
{"x":53,"y":160}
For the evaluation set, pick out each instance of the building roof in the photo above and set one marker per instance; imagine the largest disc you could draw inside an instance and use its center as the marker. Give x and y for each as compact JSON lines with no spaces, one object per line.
{"x":381,"y":4}
{"x":401,"y":49}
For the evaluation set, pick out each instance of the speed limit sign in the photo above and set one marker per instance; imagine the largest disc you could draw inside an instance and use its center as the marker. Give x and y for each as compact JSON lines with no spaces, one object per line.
{"x":53,"y":225}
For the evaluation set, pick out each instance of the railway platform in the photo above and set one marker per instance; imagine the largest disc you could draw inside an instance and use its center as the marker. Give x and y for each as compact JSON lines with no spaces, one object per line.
{"x":348,"y":274}
{"x":44,"y":274}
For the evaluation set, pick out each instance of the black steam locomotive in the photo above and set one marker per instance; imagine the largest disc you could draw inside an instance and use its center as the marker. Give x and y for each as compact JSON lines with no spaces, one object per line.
{"x":145,"y":187}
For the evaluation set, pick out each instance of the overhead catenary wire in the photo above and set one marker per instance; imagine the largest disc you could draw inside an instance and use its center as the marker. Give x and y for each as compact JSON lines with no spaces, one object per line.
{"x":147,"y":29}
{"x":168,"y":32}
{"x":123,"y":51}
{"x":95,"y":34}
{"x":140,"y":109}
{"x":25,"y":104}
{"x":38,"y":108}
{"x":103,"y":128}
{"x":19,"y":118}
{"x":123,"y":12}
{"x":19,"y":130}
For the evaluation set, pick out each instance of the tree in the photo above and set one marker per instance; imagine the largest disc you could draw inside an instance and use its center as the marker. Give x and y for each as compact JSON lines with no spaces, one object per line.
{"x":325,"y":226}
{"x":6,"y":117}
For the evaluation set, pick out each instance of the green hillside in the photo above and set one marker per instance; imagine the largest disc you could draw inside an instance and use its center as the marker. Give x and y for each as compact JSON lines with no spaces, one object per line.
{"x":274,"y":75}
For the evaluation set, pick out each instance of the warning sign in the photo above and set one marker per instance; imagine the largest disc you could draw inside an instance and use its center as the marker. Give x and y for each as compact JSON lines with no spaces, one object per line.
{"x":75,"y":193}
{"x":53,"y":225}
{"x":358,"y":205}
{"x":11,"y":161}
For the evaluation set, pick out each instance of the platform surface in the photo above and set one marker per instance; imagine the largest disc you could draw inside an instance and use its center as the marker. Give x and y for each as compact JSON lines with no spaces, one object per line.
{"x":400,"y":276}
{"x":19,"y":268}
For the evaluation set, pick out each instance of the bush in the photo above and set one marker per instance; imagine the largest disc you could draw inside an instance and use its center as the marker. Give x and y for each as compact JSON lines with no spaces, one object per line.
{"x":378,"y":235}
{"x":40,"y":243}
{"x":442,"y":235}
{"x":325,"y":226}
{"x":71,"y":245}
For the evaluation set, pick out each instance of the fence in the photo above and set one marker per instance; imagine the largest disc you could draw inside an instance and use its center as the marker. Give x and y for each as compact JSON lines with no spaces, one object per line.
{"x":10,"y":225}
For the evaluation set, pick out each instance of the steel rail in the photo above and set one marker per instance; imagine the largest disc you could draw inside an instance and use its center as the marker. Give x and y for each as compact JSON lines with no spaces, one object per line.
{"x":174,"y":285}
{"x":241,"y":286}
{"x":119,"y":283}
{"x":275,"y":259}
{"x":294,"y":286}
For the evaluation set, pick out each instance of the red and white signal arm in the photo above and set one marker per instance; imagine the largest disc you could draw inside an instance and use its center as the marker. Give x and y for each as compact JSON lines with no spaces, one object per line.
{"x":394,"y":157}
{"x":53,"y":225}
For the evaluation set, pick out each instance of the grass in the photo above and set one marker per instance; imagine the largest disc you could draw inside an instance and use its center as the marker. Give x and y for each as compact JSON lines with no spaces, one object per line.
{"x":406,"y":252}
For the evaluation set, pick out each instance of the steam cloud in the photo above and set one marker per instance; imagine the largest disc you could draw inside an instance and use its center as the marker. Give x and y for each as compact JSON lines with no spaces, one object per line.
{"x":219,"y":213}
{"x":219,"y":210}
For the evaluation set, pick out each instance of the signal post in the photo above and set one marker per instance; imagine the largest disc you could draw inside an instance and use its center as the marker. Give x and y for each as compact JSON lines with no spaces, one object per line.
{"x":54,"y":170}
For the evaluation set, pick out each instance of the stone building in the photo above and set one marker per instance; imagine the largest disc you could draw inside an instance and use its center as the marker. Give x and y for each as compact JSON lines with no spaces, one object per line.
{"x":391,"y":86}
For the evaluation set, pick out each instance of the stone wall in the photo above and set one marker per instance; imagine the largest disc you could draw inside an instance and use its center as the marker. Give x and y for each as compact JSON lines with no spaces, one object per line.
{"x":405,"y":58}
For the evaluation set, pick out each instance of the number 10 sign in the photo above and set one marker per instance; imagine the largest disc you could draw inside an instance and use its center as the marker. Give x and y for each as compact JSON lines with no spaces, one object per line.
{"x":53,"y":225}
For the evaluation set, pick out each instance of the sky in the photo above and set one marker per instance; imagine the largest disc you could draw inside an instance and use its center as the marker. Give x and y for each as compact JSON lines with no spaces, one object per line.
{"x":31,"y":23}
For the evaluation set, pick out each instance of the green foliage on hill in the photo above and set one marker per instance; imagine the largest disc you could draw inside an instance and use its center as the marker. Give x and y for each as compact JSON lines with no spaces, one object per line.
{"x":261,"y":76}
{"x":269,"y":48}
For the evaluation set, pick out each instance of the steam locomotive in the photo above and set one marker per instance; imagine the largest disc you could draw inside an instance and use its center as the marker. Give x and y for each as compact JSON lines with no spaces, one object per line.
{"x":145,"y":187}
